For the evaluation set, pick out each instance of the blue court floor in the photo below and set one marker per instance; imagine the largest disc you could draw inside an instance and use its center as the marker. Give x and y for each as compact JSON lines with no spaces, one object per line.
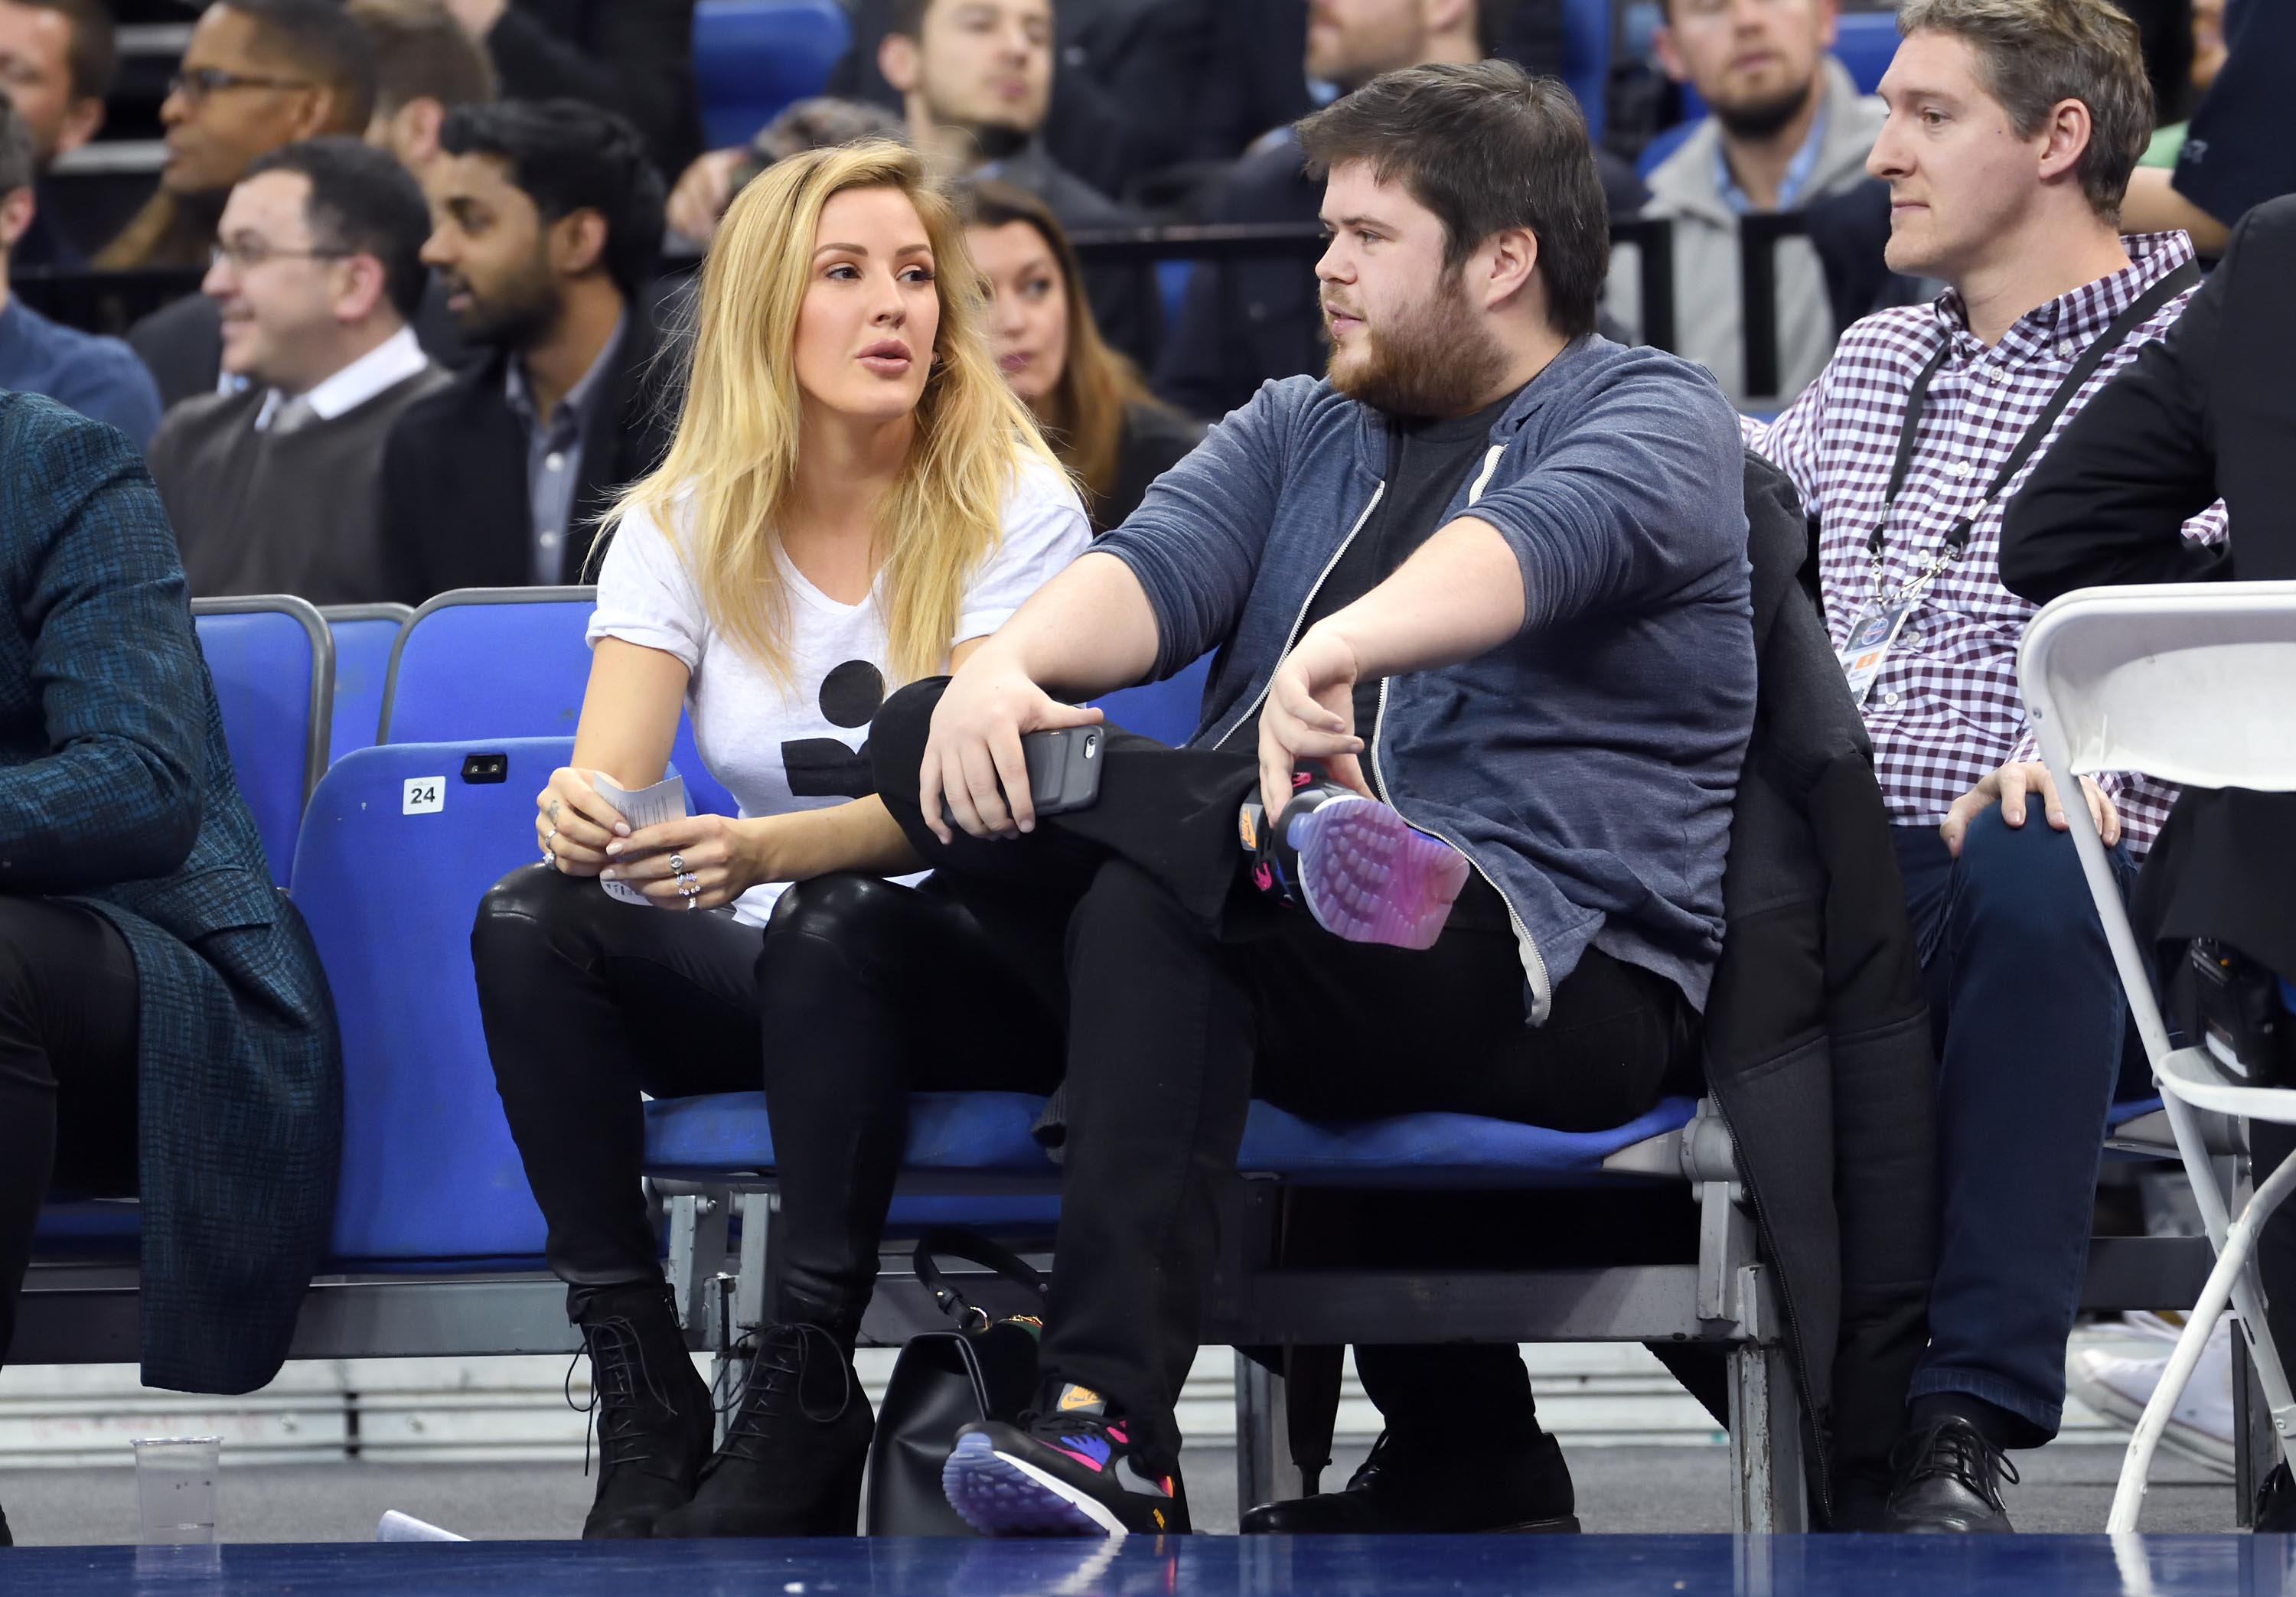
{"x":2024,"y":1566}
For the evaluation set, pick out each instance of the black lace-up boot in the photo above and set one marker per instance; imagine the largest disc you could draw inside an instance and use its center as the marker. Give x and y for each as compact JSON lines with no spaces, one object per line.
{"x":654,"y":1412}
{"x":791,"y":1464}
{"x":1948,"y":1479}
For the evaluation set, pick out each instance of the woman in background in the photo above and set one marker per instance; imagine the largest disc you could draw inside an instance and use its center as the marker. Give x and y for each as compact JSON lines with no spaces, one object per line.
{"x":1113,"y":436}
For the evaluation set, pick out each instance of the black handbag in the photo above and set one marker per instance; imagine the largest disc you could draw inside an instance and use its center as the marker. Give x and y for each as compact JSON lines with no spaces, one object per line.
{"x":944,"y":1381}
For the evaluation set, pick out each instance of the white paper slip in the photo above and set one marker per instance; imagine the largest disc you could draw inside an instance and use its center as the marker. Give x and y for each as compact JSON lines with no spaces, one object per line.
{"x":397,"y":1527}
{"x":648,"y":806}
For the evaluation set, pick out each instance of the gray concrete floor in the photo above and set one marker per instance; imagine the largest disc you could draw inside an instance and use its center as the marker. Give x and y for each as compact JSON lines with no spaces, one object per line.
{"x":1646,"y":1490}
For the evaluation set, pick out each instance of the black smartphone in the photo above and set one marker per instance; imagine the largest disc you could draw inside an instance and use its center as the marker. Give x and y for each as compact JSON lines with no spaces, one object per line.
{"x":1063,"y":768}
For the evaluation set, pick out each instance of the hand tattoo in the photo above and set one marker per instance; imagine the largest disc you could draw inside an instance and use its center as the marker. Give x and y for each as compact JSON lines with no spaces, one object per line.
{"x":551,"y":814}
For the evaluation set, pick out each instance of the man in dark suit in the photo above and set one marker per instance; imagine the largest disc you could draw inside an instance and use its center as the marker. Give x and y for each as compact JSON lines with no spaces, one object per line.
{"x":635,"y":57}
{"x":164,"y":1030}
{"x":2207,"y":413}
{"x":546,"y":221}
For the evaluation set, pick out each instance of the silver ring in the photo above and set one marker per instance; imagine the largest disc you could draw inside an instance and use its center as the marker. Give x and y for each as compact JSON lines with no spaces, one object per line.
{"x":550,"y":837}
{"x":550,"y":858}
{"x":688,"y":884}
{"x":678,"y":865}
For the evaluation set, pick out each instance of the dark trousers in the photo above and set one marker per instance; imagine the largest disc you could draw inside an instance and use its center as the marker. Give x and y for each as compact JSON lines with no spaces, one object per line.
{"x":860,"y":993}
{"x":2031,"y":1028}
{"x":68,"y":1044}
{"x":1188,"y":994}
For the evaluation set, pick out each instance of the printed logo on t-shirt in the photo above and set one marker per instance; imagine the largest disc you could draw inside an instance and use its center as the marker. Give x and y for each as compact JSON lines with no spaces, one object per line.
{"x":852,"y":695}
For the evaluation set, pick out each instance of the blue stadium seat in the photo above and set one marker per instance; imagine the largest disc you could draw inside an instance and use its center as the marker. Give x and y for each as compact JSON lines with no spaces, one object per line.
{"x":1586,"y":57}
{"x":363,"y":634}
{"x":753,"y":57}
{"x":509,"y":662}
{"x":429,"y":1169}
{"x":726,"y":1135}
{"x":1167,"y":711}
{"x":274,"y":668}
{"x":1866,"y":43}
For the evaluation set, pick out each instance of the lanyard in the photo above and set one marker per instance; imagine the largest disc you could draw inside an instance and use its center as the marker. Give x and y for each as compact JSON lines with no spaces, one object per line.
{"x":1956,"y":537}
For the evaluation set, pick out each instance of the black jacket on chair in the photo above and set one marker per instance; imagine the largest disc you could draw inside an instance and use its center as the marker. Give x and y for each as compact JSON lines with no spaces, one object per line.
{"x":1818,"y":1037}
{"x":455,"y":511}
{"x":2206,"y":412}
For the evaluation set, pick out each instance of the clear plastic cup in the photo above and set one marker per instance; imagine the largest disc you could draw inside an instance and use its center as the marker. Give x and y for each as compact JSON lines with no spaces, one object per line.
{"x":175,"y":1489}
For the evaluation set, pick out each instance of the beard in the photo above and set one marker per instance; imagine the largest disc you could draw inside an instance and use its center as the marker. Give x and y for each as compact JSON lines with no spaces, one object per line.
{"x":1434,"y":359}
{"x":518,"y":315}
{"x":1760,"y":119}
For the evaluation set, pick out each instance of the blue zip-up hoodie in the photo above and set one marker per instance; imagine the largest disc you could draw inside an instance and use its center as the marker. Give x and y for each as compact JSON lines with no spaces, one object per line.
{"x":1586,"y":766}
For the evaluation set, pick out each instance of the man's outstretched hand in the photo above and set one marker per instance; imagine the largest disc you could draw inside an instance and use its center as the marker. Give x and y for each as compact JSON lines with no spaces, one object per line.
{"x":972,"y":757}
{"x":1310,"y":714}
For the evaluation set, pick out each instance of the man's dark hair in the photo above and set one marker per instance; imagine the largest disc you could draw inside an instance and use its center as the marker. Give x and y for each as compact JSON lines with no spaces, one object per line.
{"x":567,"y":156}
{"x":422,"y":52}
{"x":364,"y":201}
{"x":1485,"y":147}
{"x":908,"y":18}
{"x":320,"y":39}
{"x":17,"y":168}
{"x":92,"y":57}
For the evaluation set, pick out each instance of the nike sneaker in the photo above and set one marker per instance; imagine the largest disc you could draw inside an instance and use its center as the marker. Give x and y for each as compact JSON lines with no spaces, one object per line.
{"x":1366,"y":874}
{"x":1067,"y":1471}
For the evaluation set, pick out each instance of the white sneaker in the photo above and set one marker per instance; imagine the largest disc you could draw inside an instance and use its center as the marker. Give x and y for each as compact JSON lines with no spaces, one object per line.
{"x":2199,"y":1427}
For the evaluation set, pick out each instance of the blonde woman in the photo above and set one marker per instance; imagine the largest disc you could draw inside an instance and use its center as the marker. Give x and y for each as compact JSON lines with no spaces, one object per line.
{"x":853,"y":500}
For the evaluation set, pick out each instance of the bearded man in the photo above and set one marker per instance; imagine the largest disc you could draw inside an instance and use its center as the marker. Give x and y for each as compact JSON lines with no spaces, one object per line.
{"x":1485,"y":679}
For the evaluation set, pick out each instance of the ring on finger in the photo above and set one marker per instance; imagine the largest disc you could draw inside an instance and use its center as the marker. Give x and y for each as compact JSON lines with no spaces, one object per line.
{"x":550,"y":859}
{"x":688,"y":885}
{"x":678,"y":865}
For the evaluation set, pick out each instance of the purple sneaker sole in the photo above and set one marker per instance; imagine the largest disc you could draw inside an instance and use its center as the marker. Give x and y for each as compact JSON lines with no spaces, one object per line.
{"x":1370,"y":876}
{"x":1001,"y":1496}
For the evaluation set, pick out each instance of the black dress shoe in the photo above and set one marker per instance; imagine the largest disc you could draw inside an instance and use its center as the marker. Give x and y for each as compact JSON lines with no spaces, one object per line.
{"x":1435,"y":1488}
{"x":2276,"y":1504}
{"x":1950,"y":1480}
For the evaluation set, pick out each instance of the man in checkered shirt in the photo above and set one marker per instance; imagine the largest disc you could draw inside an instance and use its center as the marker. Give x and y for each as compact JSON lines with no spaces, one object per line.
{"x":2012,"y":129}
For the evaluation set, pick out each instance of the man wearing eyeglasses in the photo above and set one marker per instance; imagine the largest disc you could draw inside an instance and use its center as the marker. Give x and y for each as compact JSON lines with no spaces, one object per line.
{"x":257,"y":74}
{"x":317,"y":265}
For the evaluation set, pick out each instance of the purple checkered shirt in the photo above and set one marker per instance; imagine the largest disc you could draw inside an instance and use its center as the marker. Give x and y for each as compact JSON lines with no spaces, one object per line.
{"x":1944,"y":711}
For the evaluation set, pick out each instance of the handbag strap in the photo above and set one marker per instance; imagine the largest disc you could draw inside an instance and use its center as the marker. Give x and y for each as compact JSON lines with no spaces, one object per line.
{"x":973,"y":1248}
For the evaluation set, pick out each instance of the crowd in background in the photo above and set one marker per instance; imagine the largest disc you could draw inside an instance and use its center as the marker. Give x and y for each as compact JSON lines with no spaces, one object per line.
{"x":425,"y":362}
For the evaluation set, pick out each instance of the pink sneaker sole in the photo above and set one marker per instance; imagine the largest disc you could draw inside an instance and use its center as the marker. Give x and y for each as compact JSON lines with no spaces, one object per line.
{"x":1369,"y":876}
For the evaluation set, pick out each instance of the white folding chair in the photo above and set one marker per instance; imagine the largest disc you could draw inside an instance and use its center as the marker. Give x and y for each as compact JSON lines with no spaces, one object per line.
{"x":2195,"y":683}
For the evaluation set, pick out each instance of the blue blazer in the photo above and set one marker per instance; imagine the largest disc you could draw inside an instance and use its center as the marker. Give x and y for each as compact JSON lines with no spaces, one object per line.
{"x":116,"y":792}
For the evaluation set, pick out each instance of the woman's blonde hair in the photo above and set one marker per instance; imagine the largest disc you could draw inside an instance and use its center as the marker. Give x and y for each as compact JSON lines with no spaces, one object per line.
{"x":731,"y":466}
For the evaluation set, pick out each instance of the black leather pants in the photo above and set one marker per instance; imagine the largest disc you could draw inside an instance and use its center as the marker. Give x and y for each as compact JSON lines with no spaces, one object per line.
{"x":860,"y":993}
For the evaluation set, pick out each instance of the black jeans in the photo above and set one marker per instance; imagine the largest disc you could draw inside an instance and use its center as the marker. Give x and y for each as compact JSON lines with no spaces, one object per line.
{"x":68,"y":1044}
{"x":859,"y":993}
{"x":1189,"y":994}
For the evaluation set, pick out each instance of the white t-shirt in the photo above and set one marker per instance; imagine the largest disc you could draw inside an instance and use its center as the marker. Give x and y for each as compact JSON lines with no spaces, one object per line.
{"x":778,"y":751}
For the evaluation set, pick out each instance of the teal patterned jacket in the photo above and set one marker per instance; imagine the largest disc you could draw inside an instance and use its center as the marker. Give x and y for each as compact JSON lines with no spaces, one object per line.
{"x":116,"y":792}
